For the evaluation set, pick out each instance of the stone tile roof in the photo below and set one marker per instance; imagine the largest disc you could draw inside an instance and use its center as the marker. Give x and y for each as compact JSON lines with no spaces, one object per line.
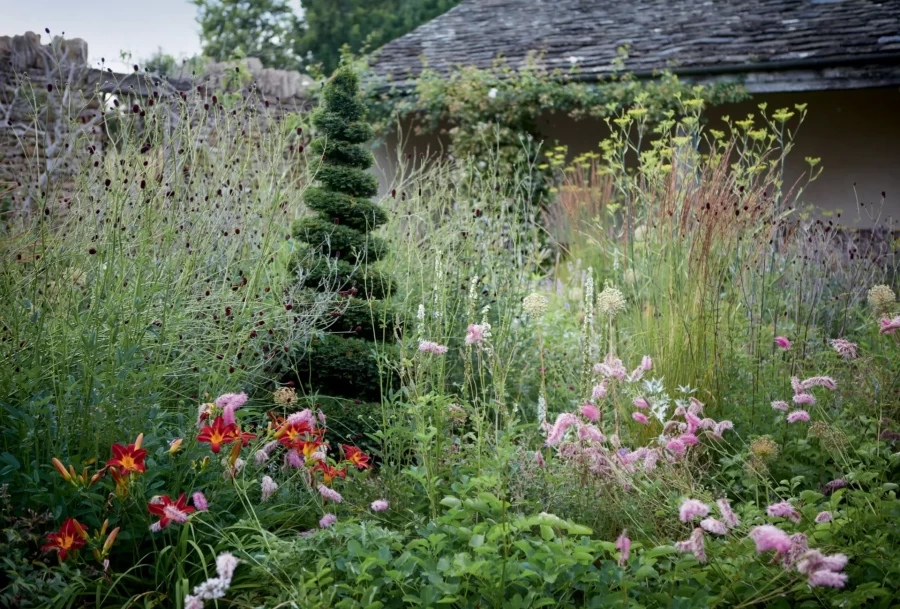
{"x":712,"y":36}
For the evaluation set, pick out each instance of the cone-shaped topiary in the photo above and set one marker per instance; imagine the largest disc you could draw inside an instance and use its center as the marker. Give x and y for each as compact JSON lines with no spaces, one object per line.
{"x":340,"y":233}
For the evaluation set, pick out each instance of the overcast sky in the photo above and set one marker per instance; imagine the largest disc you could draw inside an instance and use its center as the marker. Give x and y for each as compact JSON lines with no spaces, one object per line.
{"x":110,"y":26}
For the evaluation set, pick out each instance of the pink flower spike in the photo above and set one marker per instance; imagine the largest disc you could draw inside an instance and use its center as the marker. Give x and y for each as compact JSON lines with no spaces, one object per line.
{"x":268,"y":487}
{"x":889,"y":326}
{"x":623,"y":544}
{"x":330,"y":494}
{"x":599,"y":391}
{"x":234,"y":400}
{"x":691,"y":509}
{"x":783,"y":509}
{"x":845,"y":348}
{"x":563,"y":422}
{"x":805,"y":399}
{"x":780,"y":405}
{"x":379,"y":505}
{"x":768,"y":537}
{"x":676,"y":446}
{"x":429,"y":346}
{"x":641,"y":403}
{"x":828,"y":579}
{"x":782,"y":342}
{"x":199,"y":501}
{"x":796,"y":385}
{"x":646,"y":363}
{"x":823,"y":517}
{"x":589,"y":432}
{"x":640,"y":417}
{"x":688,"y":439}
{"x":327,"y":520}
{"x":798,"y":415}
{"x":475,"y":334}
{"x":590,"y":412}
{"x":728,"y":514}
{"x":712,"y":525}
{"x":820,"y":381}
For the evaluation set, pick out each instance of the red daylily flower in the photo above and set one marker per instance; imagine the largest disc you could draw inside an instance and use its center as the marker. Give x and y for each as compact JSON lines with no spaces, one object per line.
{"x":330,"y":473}
{"x":355,"y":456}
{"x":169,"y":511}
{"x":291,"y":434}
{"x":244,"y":437}
{"x":308,"y":448}
{"x":128,"y":459}
{"x":218,"y":434}
{"x":70,"y":537}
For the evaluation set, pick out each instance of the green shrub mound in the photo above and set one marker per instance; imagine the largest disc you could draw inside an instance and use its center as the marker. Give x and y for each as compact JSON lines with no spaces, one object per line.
{"x":342,"y":364}
{"x":359,"y":214}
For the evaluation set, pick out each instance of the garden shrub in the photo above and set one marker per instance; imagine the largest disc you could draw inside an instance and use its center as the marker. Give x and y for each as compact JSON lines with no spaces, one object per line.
{"x":342,"y":363}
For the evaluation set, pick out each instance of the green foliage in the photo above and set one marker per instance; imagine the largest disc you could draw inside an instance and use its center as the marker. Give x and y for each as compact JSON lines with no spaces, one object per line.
{"x":263,"y":29}
{"x":340,"y":230}
{"x":331,"y":25}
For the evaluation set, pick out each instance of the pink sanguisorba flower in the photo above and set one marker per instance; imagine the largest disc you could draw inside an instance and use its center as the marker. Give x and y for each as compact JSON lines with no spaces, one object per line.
{"x":783,"y":342}
{"x":640,"y":417}
{"x":691,"y":509}
{"x":797,"y":415}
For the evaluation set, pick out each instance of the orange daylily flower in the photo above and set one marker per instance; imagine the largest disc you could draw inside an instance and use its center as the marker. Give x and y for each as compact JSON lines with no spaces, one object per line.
{"x":69,"y":538}
{"x":218,"y":434}
{"x":355,"y":456}
{"x":128,"y":458}
{"x":330,"y":473}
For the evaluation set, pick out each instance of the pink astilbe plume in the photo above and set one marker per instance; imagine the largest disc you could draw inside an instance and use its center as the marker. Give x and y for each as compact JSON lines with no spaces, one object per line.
{"x":728,"y":515}
{"x":823,"y":570}
{"x":797,"y":415}
{"x":782,"y":342}
{"x":889,"y":326}
{"x":806,"y":399}
{"x":768,"y":537}
{"x":783,"y":509}
{"x":691,"y":509}
{"x":819,"y":381}
{"x":780,"y":405}
{"x":828,"y":579}
{"x":563,"y":422}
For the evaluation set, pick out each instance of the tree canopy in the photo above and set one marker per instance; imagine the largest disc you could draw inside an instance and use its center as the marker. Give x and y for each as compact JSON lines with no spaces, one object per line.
{"x":272,"y":31}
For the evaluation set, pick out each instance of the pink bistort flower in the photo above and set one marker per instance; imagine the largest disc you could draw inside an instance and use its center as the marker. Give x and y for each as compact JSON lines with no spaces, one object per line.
{"x":199,"y":501}
{"x":563,"y":422}
{"x":820,"y":381}
{"x":623,"y":544}
{"x":768,"y":537}
{"x":823,"y":517}
{"x":845,"y":348}
{"x":379,"y":505}
{"x":691,"y":509}
{"x":712,"y":525}
{"x":694,"y":544}
{"x":429,"y":346}
{"x":676,"y":446}
{"x":728,"y":515}
{"x":782,"y":342}
{"x":804,"y":398}
{"x":797,"y":415}
{"x":640,"y":417}
{"x":327,"y":520}
{"x":590,"y":412}
{"x":330,"y":494}
{"x":889,"y":326}
{"x":783,"y":509}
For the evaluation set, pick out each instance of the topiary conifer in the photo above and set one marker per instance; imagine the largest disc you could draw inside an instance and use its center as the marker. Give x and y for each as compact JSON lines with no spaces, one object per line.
{"x":340,"y":232}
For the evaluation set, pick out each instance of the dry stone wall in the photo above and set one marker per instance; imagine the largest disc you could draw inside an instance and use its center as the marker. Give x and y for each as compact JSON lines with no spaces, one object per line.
{"x":54,"y":109}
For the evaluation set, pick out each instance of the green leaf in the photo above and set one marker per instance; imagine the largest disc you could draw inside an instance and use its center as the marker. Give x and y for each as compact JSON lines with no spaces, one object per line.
{"x":646,"y":572}
{"x":476,"y":541}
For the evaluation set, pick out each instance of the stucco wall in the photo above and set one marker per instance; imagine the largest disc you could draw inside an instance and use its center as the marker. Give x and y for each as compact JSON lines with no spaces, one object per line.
{"x":855,"y":133}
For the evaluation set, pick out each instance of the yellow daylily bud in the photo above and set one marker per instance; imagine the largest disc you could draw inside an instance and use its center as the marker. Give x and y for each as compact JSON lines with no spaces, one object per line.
{"x":235,"y":452}
{"x":110,"y":540}
{"x":139,"y":441}
{"x":103,"y":528}
{"x":175,"y":446}
{"x":61,"y":469}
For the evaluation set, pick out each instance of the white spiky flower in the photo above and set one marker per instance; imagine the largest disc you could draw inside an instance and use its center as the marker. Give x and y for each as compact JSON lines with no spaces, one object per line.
{"x":610,"y":301}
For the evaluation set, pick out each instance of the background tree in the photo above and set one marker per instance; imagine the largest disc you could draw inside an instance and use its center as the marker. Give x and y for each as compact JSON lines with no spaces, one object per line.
{"x":265,"y":29}
{"x":331,"y":24}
